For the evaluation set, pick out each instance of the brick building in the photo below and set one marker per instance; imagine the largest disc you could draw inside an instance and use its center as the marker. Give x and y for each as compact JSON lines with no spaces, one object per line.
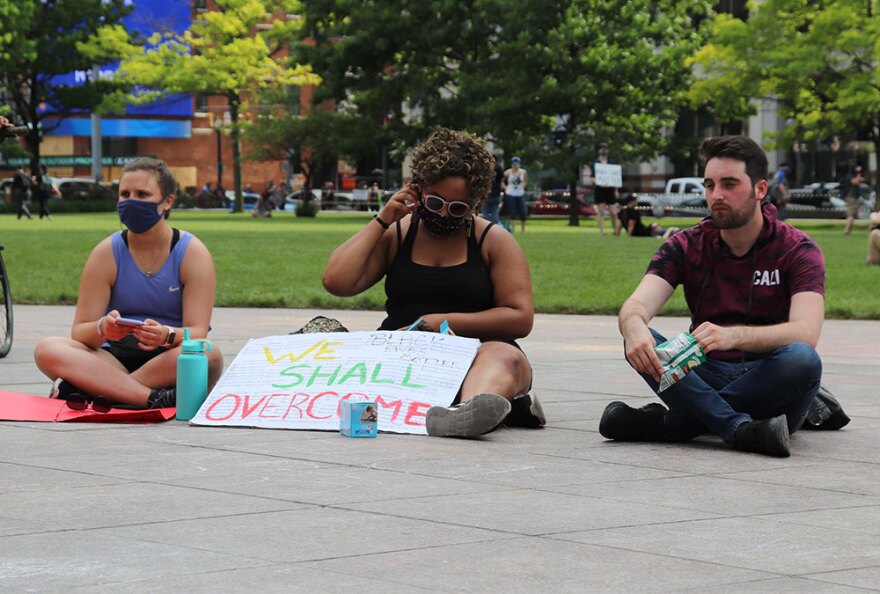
{"x":184,"y":131}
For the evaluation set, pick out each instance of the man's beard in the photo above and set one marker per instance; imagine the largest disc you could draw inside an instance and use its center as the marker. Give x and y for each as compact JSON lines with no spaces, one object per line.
{"x":726,"y":217}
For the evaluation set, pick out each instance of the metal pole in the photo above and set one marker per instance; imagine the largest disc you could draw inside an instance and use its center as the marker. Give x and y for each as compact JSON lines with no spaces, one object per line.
{"x":97,"y":172}
{"x":218,"y":126}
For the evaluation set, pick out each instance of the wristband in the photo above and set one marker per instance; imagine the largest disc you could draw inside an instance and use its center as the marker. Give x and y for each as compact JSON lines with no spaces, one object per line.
{"x":172,"y":336}
{"x":381,"y":222}
{"x":100,"y":329}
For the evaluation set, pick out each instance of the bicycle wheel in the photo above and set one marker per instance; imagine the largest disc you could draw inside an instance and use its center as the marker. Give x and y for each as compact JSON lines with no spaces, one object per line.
{"x":5,"y":310}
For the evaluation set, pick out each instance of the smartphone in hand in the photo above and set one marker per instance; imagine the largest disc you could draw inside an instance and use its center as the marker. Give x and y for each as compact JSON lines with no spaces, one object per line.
{"x":129,"y":322}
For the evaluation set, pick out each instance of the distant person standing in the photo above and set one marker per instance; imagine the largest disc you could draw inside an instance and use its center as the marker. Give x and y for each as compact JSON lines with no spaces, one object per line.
{"x":514,"y":185}
{"x":21,"y":184}
{"x":206,"y":197}
{"x":851,"y":191}
{"x":221,"y":196}
{"x":492,"y":203}
{"x":605,"y":196}
{"x":780,"y":190}
{"x":278,"y":195}
{"x":44,"y":189}
{"x":374,"y":197}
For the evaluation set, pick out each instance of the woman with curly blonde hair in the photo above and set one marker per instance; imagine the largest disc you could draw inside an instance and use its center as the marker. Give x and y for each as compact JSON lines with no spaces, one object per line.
{"x":441,"y":262}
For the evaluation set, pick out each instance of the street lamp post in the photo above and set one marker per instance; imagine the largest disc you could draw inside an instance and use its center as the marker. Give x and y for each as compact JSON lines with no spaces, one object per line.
{"x":218,"y":127}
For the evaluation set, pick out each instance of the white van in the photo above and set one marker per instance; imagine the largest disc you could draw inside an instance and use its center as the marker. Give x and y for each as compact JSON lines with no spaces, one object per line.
{"x":685,"y":185}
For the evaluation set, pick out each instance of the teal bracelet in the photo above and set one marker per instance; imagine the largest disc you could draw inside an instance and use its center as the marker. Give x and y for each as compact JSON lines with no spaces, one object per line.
{"x":381,"y":222}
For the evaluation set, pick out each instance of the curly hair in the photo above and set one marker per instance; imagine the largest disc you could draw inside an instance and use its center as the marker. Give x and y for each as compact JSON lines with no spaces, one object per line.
{"x":449,"y":153}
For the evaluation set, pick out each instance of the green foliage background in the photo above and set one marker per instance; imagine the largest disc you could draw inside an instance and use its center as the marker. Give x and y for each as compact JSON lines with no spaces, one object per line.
{"x":279,"y":262}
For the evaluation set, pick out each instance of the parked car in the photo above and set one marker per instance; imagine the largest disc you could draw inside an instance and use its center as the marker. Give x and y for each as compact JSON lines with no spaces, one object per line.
{"x":293,"y":200}
{"x":692,"y":207}
{"x":82,"y":188}
{"x":658,"y":204}
{"x":248,"y":199}
{"x":866,"y":192}
{"x":341,"y":200}
{"x":685,"y":185}
{"x":825,"y":197}
{"x":558,"y":202}
{"x":6,"y":189}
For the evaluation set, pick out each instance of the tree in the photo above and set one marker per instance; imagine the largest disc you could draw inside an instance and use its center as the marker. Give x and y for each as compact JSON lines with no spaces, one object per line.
{"x":312,"y":142}
{"x":39,"y":43}
{"x":820,"y":60}
{"x":515,"y":71}
{"x":395,"y":62}
{"x":593,"y":71}
{"x":234,"y":51}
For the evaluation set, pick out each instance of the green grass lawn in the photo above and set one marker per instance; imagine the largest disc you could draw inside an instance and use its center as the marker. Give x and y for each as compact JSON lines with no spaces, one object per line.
{"x":278,"y":262}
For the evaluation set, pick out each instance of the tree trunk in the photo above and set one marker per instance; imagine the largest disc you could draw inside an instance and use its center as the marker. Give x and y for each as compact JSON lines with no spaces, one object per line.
{"x":33,"y":145}
{"x":574,"y":214}
{"x":234,"y":103}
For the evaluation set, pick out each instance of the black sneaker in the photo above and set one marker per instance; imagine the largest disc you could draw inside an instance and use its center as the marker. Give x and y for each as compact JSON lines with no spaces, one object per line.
{"x":526,"y":411}
{"x":64,"y":390}
{"x":473,"y":418}
{"x":825,"y":413}
{"x":768,"y":436}
{"x":162,"y":398}
{"x":621,"y":422}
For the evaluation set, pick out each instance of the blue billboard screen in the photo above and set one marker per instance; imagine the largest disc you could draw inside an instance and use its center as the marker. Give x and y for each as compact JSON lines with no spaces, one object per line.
{"x":147,"y":18}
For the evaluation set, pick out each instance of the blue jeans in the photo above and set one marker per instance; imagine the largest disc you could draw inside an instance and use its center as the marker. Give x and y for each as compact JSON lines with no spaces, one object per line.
{"x":490,"y":208}
{"x":718,"y":396}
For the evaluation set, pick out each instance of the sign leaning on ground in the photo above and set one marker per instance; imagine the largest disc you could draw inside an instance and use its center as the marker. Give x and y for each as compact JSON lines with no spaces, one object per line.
{"x":298,"y":381}
{"x":609,"y":175}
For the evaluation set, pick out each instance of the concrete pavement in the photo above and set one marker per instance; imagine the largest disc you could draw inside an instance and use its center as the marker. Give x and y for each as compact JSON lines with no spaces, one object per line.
{"x":171,"y":507}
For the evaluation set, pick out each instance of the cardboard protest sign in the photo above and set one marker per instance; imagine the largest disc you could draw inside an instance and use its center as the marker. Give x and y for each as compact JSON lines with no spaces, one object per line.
{"x":609,"y":175}
{"x":298,"y":381}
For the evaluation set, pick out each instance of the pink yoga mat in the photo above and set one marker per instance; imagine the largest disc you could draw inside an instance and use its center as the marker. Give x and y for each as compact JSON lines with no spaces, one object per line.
{"x":15,"y":406}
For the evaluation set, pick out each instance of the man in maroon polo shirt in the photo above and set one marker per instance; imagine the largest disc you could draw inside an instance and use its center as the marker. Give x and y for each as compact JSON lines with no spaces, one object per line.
{"x":755,"y":289}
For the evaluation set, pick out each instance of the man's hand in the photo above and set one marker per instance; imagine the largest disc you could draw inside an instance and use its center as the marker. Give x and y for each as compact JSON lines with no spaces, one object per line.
{"x":639,"y":347}
{"x":717,"y":338}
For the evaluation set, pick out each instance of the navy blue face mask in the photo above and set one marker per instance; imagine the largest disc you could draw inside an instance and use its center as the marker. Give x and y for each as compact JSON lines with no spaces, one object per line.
{"x":138,"y":215}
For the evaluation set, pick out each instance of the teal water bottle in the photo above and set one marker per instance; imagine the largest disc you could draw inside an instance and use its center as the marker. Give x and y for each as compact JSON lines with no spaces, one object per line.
{"x":192,"y":376}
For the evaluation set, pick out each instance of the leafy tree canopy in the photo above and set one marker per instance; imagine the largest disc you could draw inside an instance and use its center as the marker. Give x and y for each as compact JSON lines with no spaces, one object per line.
{"x":513,"y":70}
{"x":819,"y":58}
{"x":38,"y":42}
{"x":234,"y":51}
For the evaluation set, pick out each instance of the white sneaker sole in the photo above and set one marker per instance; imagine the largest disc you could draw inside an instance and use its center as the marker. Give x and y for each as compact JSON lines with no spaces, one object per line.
{"x":537,"y":410}
{"x":477,"y":416}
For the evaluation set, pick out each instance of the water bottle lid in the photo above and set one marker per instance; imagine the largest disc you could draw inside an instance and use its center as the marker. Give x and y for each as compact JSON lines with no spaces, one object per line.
{"x":194,"y":346}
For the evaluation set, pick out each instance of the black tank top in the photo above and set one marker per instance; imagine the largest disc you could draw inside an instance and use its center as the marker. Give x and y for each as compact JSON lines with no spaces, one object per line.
{"x":414,"y":290}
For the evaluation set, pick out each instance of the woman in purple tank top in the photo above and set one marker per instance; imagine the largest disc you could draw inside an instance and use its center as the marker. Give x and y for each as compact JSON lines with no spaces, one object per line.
{"x":139,"y":288}
{"x":440,"y":262}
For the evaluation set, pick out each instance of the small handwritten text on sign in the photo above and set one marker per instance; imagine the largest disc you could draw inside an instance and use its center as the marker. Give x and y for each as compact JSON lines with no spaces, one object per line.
{"x":609,"y":175}
{"x":298,"y":381}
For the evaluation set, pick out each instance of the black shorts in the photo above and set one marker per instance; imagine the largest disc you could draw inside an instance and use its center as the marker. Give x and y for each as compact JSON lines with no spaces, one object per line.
{"x":605,"y":196}
{"x":130,"y":354}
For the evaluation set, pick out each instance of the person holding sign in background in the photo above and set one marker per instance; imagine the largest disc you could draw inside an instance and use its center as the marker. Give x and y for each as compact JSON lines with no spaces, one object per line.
{"x":755,"y":288}
{"x":442,"y":263}
{"x":139,"y":288}
{"x":605,"y":194}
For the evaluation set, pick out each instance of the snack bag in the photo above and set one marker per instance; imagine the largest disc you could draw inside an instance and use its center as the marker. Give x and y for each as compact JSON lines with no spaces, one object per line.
{"x":678,"y":355}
